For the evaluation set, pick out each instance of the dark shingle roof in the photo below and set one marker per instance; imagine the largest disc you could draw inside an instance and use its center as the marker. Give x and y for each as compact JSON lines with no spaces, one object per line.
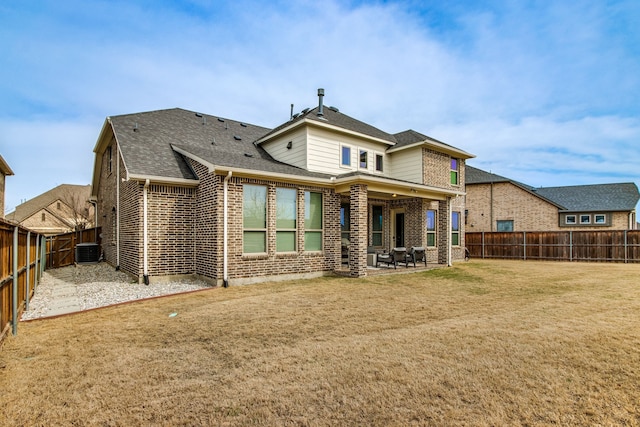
{"x":338,"y":119}
{"x":591,"y":198}
{"x":478,"y":176}
{"x":220,"y":141}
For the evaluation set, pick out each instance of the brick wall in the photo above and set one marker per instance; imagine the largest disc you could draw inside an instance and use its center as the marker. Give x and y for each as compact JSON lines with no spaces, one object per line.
{"x":527,"y":211}
{"x":437,"y":170}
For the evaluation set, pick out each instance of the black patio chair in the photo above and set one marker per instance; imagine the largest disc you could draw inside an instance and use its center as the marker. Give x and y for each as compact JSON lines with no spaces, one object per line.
{"x":394,"y":257}
{"x":417,"y":254}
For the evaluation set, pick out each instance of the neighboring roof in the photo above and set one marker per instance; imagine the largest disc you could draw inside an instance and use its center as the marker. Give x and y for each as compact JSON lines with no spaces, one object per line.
{"x":594,"y":198}
{"x":31,"y":206}
{"x":4,"y":167}
{"x":583,"y":198}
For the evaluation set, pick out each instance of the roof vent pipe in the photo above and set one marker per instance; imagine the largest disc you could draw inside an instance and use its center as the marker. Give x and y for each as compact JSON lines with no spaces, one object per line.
{"x":320,"y":96}
{"x":291,"y":116}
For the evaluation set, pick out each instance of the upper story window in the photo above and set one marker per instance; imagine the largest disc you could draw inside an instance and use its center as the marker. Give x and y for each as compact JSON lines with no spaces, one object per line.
{"x":455,"y":171}
{"x":364,"y":162}
{"x":254,"y":219}
{"x":379,"y":162}
{"x":345,"y":156}
{"x":504,"y":225}
{"x":600,"y":219}
{"x":585,"y":219}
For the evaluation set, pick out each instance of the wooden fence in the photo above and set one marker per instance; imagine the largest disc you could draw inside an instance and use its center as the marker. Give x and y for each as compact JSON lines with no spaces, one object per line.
{"x":21,"y":266}
{"x":594,"y":246}
{"x":61,"y":248}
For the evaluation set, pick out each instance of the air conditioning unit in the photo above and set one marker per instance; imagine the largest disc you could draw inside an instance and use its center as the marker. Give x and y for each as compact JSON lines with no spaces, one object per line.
{"x":87,"y":253}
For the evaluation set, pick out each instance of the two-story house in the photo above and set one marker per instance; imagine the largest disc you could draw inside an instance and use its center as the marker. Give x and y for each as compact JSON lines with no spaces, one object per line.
{"x":181,"y":193}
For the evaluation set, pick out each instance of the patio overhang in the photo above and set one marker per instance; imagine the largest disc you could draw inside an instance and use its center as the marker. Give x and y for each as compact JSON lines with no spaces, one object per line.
{"x":385,"y":188}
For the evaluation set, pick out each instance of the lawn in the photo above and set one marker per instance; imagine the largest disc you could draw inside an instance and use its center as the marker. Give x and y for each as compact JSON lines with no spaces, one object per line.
{"x":481,"y":343}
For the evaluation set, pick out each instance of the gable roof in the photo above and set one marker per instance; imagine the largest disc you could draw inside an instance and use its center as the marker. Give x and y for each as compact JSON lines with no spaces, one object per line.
{"x":31,"y":206}
{"x":597,"y":197}
{"x":583,"y":198}
{"x":4,"y":167}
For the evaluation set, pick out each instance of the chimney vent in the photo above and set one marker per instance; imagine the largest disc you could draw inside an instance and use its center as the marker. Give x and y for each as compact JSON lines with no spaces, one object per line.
{"x":320,"y":96}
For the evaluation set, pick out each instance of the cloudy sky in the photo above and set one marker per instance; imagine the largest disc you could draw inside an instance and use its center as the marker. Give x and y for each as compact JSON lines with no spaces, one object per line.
{"x":544,"y":92}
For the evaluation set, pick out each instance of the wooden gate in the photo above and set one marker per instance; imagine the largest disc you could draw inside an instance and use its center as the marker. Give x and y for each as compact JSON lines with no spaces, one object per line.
{"x":61,"y":248}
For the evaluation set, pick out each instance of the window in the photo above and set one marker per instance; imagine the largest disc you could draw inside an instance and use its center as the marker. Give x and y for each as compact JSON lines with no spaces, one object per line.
{"x":44,"y":217}
{"x":379,"y":162}
{"x":455,"y":228}
{"x":600,"y":219}
{"x":345,"y":223}
{"x":585,"y":219}
{"x":110,"y":158}
{"x":346,"y":156}
{"x":363,"y":159}
{"x":431,"y":228}
{"x":286,"y":219}
{"x":376,"y":238}
{"x":570,"y":219}
{"x":504,"y":225}
{"x":454,"y":171}
{"x":312,"y":221}
{"x":58,"y":206}
{"x":254,"y":219}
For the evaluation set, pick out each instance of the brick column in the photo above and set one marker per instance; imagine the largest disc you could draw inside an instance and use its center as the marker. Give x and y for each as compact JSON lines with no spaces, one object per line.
{"x":358,"y":231}
{"x":444,"y":216}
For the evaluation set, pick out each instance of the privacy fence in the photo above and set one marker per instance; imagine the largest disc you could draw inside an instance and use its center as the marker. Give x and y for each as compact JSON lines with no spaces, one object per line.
{"x":593,"y":246}
{"x":61,"y":249}
{"x":21,"y":266}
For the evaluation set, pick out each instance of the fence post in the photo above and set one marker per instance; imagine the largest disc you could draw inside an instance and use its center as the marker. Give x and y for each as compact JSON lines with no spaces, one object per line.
{"x":14,"y":308}
{"x":626,"y":248}
{"x":570,"y":245}
{"x":524,"y":243}
{"x":483,"y":245}
{"x":26,"y":295}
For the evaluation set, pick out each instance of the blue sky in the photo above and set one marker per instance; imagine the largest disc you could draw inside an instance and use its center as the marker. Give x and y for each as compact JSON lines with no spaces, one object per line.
{"x":543,"y":92}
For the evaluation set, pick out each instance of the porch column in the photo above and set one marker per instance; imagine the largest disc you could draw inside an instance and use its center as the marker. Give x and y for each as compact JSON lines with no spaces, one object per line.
{"x":358,"y":231}
{"x":444,"y":218}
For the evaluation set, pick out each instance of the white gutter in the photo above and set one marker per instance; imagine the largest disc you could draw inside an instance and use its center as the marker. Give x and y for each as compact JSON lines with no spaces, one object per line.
{"x":145,"y":238}
{"x":225,"y":272}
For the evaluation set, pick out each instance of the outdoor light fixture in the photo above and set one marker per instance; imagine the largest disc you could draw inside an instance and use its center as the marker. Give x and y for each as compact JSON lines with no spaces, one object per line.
{"x":289,"y":145}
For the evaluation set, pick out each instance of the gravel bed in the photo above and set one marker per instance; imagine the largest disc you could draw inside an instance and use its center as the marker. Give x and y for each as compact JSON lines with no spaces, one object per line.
{"x":99,"y":285}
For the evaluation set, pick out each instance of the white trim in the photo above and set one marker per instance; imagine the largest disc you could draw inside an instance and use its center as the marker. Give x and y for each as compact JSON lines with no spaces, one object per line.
{"x":350,"y":147}
{"x":164,"y":180}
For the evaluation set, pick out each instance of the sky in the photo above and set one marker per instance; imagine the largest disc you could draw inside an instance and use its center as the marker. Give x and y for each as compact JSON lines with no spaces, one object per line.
{"x":542,"y":92}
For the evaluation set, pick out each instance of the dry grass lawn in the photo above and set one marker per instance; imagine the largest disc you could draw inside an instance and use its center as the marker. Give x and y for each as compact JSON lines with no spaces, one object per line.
{"x":482,"y":343}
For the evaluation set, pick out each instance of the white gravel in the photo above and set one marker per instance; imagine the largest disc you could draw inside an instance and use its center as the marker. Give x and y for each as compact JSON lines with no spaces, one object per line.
{"x":98,"y":285}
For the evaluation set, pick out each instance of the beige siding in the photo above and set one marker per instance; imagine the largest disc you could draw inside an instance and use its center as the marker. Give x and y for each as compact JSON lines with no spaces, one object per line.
{"x":407,"y":165}
{"x":296,"y":155}
{"x":324,"y":152}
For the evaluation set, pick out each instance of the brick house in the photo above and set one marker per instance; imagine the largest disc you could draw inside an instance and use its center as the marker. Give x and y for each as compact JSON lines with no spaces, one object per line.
{"x":5,"y":171}
{"x":185,"y":193}
{"x":496,"y":203}
{"x":62,"y":209}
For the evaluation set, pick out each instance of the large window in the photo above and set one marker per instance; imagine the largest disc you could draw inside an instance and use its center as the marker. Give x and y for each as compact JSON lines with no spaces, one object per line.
{"x":312,"y":221}
{"x":345,"y":155}
{"x":431,"y":228}
{"x":286,"y":220}
{"x":254,"y":219}
{"x":455,"y":228}
{"x":454,"y":171}
{"x":504,"y":225}
{"x":376,"y":237}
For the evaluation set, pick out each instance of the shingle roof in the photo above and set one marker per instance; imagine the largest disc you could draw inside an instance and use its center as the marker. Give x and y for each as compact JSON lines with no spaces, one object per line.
{"x":31,"y":206}
{"x":336,"y":118}
{"x":147,"y":150}
{"x":478,"y":176}
{"x":596,"y":197}
{"x":4,"y":167}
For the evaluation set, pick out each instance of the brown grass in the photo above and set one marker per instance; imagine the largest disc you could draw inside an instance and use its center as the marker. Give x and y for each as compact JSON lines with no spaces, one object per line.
{"x":482,"y":343}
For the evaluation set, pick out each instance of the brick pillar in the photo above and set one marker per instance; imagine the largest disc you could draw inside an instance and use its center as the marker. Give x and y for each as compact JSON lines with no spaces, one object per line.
{"x":358,"y":231}
{"x":444,"y":216}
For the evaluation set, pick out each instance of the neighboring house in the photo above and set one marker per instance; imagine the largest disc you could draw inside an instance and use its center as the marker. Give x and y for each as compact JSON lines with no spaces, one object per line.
{"x":62,"y":209}
{"x":496,"y":203}
{"x":5,"y":170}
{"x":181,"y":193}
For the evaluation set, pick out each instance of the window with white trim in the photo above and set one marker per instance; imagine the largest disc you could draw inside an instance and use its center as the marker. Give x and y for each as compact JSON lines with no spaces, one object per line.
{"x":286,"y":215}
{"x":585,"y":219}
{"x":570,"y":219}
{"x":600,"y":219}
{"x":254,"y":219}
{"x":345,"y":156}
{"x":431,"y":228}
{"x":379,"y":162}
{"x":363,"y":160}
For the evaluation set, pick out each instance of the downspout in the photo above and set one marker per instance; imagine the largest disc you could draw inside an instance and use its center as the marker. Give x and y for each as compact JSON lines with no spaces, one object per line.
{"x":118,"y":183}
{"x":145,"y":238}
{"x":14,"y":308}
{"x":449,"y":232}
{"x":225,"y":215}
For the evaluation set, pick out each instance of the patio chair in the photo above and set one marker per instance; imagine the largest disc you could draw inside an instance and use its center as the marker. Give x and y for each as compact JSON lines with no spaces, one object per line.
{"x":417,"y":254}
{"x":394,"y":257}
